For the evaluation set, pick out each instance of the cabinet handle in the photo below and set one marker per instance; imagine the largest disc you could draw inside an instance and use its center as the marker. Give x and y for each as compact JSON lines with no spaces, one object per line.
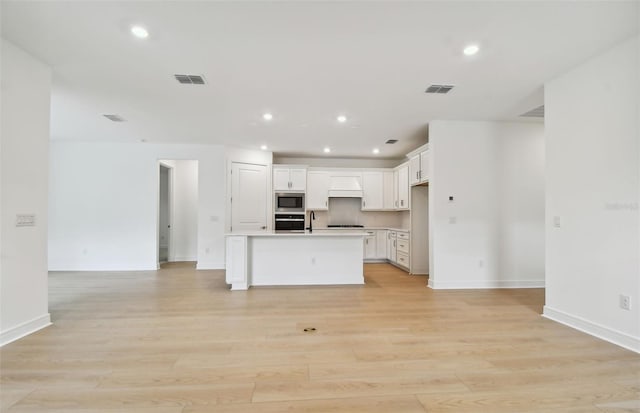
{"x":394,"y":243}
{"x":402,"y":202}
{"x":325,"y":203}
{"x":364,"y":203}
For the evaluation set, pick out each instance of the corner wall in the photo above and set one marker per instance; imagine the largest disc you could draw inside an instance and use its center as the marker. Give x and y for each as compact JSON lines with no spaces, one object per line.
{"x":593,"y":191}
{"x":25,"y":100}
{"x":492,"y":234}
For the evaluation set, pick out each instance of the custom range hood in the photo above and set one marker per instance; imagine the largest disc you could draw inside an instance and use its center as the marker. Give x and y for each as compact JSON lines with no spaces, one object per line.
{"x":345,"y":186}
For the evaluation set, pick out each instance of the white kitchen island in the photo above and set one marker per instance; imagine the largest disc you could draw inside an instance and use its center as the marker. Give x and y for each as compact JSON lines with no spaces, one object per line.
{"x":320,"y":257}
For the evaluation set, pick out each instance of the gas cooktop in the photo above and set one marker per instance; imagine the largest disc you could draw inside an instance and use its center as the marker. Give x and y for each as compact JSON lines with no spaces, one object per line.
{"x":345,"y":226}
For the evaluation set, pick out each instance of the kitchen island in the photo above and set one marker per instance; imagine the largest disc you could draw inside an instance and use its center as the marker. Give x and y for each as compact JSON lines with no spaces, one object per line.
{"x":321,"y":257}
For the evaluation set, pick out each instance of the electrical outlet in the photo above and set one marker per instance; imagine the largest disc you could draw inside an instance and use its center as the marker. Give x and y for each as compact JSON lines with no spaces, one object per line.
{"x":25,"y":220}
{"x":556,"y":222}
{"x":625,"y":302}
{"x":453,"y":220}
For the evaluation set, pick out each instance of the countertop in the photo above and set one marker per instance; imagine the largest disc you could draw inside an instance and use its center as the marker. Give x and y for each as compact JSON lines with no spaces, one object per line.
{"x":365,"y":229}
{"x":320,"y":232}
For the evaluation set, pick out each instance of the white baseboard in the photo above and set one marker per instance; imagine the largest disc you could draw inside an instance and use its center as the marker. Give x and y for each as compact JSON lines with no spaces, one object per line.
{"x":24,"y":329}
{"x":213,"y":265}
{"x":484,"y":284}
{"x":605,"y":333}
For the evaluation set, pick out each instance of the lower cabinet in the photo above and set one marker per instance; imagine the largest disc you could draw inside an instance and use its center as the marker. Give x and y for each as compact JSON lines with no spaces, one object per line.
{"x":393,"y":246}
{"x":370,"y":246}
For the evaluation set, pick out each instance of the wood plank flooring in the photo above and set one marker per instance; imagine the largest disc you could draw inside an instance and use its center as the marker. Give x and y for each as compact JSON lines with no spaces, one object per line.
{"x":178,"y":341}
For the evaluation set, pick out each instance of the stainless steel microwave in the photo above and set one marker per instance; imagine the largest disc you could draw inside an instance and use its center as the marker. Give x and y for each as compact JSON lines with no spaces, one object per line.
{"x":289,"y":202}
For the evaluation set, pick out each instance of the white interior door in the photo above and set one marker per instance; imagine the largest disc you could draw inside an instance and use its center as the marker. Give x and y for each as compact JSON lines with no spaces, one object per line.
{"x":248,"y":197}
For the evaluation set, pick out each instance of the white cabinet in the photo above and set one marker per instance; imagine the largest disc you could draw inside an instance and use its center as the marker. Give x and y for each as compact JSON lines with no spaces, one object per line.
{"x":391,"y":246}
{"x":388,"y":188}
{"x":414,"y":170}
{"x":317,"y":190}
{"x":425,"y":159}
{"x":419,"y":168}
{"x":289,"y":179}
{"x":372,"y":190}
{"x":402,"y":249}
{"x":370,"y":245}
{"x":381,"y":244}
{"x":403,"y":187}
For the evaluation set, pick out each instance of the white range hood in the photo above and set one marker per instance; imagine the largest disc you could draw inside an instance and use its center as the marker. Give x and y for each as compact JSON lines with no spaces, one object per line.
{"x":345,"y":186}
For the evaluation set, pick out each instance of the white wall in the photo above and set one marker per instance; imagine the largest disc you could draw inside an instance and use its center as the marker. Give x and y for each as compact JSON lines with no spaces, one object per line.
{"x":593,"y":186}
{"x":184,"y":211}
{"x":492,"y":234}
{"x":104,"y":204}
{"x":25,"y":96}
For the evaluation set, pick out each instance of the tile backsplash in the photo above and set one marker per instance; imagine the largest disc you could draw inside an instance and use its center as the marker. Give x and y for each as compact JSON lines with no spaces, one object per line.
{"x":347,"y":211}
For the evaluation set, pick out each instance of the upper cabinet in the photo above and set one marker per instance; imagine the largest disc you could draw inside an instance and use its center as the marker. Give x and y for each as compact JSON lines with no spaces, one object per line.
{"x":289,"y":178}
{"x":402,"y":176}
{"x":373,"y":190}
{"x":425,"y":159}
{"x":388,"y":191}
{"x":317,"y":190}
{"x":419,"y":167}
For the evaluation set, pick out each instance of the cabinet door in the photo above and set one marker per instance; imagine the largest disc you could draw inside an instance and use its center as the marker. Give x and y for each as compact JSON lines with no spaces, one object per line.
{"x":317,"y":190}
{"x":387,"y":191}
{"x":424,"y":166}
{"x":298,"y":179}
{"x":403,"y":187}
{"x":370,"y":246}
{"x":381,"y":244}
{"x":391,"y":247}
{"x":281,"y":179}
{"x":396,"y":199}
{"x":414,"y":170}
{"x":372,"y":191}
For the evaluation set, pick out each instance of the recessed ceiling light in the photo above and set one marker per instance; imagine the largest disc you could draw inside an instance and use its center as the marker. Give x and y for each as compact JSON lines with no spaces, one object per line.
{"x":267,"y":116}
{"x":263,"y":147}
{"x":342,"y":119}
{"x":139,"y":32}
{"x":471,"y":49}
{"x":327,"y":149}
{"x":376,"y":151}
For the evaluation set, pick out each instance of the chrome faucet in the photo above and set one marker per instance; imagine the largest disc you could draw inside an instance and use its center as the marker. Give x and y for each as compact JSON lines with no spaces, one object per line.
{"x":312,"y":217}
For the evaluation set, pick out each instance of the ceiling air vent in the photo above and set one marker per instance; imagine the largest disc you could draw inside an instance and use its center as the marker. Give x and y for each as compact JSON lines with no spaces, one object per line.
{"x":440,"y":89}
{"x":391,"y":141}
{"x":534,"y":113}
{"x":190,"y":79}
{"x":114,"y":118}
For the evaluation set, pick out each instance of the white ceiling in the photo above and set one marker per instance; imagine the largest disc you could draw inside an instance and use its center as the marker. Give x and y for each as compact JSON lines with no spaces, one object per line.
{"x":305,"y":62}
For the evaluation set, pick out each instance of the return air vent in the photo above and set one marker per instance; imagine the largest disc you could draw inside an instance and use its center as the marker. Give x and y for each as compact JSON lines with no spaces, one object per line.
{"x":190,"y":79}
{"x":114,"y":118}
{"x":391,"y":141}
{"x":439,"y":89}
{"x":534,"y":113}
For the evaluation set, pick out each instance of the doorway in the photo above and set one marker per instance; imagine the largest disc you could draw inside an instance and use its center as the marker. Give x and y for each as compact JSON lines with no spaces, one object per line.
{"x":164,"y":214}
{"x":177,"y":235}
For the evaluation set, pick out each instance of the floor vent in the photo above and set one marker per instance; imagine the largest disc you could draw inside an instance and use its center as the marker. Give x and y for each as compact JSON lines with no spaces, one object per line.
{"x":534,"y":113}
{"x":190,"y":79}
{"x":114,"y":118}
{"x":439,"y":89}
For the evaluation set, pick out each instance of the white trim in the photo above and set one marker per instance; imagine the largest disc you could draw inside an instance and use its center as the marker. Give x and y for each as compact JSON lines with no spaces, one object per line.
{"x":24,"y":329}
{"x":213,"y":265}
{"x":484,"y":284}
{"x":597,"y":330}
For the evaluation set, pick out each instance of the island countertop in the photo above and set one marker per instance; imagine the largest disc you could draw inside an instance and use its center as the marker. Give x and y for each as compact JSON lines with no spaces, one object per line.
{"x":314,"y":233}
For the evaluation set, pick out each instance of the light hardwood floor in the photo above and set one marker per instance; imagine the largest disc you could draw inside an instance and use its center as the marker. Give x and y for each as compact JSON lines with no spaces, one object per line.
{"x":178,"y":341}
